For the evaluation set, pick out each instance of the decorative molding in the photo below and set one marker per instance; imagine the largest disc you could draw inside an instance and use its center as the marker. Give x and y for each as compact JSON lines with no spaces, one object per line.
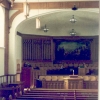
{"x":4,"y":3}
{"x":12,"y":2}
{"x":17,"y":6}
{"x":13,"y":16}
{"x":2,"y":47}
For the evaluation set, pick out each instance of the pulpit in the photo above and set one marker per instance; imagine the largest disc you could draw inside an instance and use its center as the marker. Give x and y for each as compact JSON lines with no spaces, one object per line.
{"x":73,"y":82}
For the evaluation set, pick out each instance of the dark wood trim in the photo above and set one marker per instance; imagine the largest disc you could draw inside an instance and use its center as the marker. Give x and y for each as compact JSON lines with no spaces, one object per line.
{"x":18,"y":73}
{"x":6,"y":42}
{"x":17,"y":6}
{"x":18,"y":33}
{"x":33,"y":36}
{"x":54,"y":37}
{"x":5,"y":4}
{"x":13,"y":16}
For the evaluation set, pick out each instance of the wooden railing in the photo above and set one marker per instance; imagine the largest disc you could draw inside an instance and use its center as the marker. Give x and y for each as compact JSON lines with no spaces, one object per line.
{"x":3,"y":78}
{"x":10,"y":78}
{"x":10,"y":87}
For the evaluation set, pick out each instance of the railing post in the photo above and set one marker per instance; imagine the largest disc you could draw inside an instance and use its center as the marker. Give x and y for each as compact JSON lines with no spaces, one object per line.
{"x":3,"y":79}
{"x":14,"y":78}
{"x":6,"y":78}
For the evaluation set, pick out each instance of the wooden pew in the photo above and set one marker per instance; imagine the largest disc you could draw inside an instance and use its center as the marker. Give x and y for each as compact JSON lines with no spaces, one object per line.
{"x":52,"y":94}
{"x":6,"y":85}
{"x":17,"y":88}
{"x":2,"y":98}
{"x":70,"y":94}
{"x":86,"y":94}
{"x":6,"y":92}
{"x":19,"y":85}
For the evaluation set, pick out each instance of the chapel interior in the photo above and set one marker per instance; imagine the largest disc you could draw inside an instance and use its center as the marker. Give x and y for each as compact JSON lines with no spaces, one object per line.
{"x":49,"y":50}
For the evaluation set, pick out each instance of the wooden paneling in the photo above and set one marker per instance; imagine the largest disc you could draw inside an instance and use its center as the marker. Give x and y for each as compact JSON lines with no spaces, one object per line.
{"x":58,"y":5}
{"x":17,"y":6}
{"x":72,"y":85}
{"x":62,"y":5}
{"x":27,"y":76}
{"x":9,"y":78}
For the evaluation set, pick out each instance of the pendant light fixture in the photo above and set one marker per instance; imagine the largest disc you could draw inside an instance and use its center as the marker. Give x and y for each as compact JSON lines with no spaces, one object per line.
{"x":45,"y":29}
{"x":74,"y":8}
{"x":37,"y":23}
{"x":26,"y":9}
{"x":73,"y":20}
{"x":72,"y":33}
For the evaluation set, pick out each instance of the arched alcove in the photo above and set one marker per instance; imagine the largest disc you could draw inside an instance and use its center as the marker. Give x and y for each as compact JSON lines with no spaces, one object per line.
{"x":58,"y":23}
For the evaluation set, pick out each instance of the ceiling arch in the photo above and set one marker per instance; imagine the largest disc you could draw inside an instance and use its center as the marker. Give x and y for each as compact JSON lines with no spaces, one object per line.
{"x":59,"y":25}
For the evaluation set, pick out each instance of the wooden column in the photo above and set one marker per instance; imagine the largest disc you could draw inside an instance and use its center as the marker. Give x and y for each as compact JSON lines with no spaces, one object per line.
{"x":6,"y":41}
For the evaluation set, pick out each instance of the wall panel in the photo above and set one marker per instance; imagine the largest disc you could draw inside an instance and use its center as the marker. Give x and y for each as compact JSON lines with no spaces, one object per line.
{"x":46,"y":49}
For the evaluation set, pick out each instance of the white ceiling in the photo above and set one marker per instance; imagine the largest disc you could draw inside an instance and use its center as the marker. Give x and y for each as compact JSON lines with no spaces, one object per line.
{"x":59,"y":25}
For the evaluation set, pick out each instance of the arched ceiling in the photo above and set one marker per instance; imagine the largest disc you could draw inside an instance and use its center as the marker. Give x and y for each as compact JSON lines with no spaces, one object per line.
{"x":59,"y":25}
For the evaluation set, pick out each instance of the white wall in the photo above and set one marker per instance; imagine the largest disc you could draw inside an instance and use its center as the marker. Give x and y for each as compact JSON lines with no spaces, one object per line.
{"x":2,"y":11}
{"x":1,"y":61}
{"x":2,"y":17}
{"x":14,"y":45}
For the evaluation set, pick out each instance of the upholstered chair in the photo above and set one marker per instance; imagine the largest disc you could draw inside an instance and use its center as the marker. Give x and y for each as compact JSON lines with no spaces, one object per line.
{"x":48,"y":78}
{"x":54,"y":78}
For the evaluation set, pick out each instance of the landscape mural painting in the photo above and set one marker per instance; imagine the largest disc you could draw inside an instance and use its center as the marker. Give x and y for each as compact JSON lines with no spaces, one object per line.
{"x":72,"y":50}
